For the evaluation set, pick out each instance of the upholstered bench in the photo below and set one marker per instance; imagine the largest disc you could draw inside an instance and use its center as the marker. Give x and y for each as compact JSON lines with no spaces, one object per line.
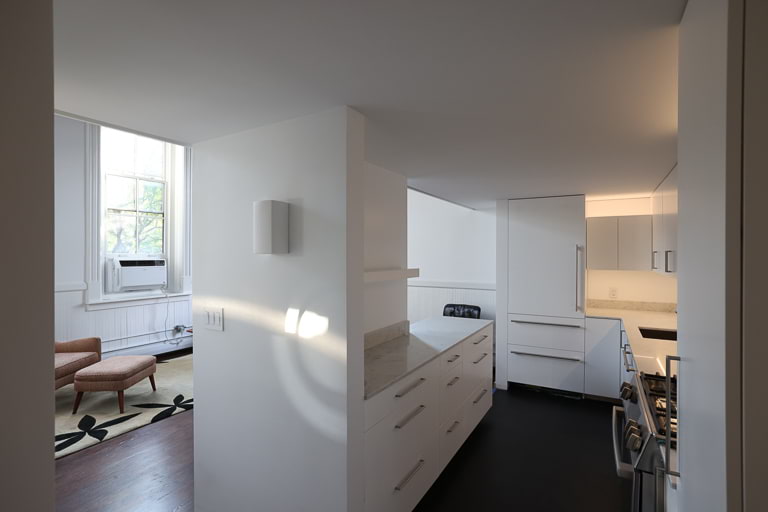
{"x":115,"y":374}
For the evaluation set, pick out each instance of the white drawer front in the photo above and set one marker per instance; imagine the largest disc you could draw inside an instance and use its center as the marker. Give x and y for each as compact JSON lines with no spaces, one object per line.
{"x":556,"y":369}
{"x":478,"y":369}
{"x":453,"y":388}
{"x":451,"y":357}
{"x":402,"y":395}
{"x":560,"y":334}
{"x":452,"y":434}
{"x":478,"y":405}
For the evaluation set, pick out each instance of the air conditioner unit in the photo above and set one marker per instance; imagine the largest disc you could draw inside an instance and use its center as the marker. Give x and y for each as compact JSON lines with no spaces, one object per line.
{"x":125,"y":274}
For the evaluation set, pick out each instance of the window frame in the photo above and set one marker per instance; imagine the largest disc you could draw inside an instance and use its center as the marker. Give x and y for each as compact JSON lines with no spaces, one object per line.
{"x":176,"y":222}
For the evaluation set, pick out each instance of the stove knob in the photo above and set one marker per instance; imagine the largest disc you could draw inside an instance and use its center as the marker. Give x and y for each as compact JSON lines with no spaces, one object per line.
{"x":627,"y":392}
{"x":629,"y":431}
{"x":634,"y":442}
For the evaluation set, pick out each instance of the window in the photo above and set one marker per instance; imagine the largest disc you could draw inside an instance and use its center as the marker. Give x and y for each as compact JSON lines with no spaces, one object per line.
{"x":138,"y":191}
{"x":135,"y":173}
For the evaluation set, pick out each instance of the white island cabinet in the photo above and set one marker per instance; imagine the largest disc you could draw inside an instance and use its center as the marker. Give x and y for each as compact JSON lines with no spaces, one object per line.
{"x":425,"y":393}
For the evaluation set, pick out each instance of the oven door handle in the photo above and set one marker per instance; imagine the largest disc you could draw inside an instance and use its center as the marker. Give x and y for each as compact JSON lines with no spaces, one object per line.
{"x":623,"y":469}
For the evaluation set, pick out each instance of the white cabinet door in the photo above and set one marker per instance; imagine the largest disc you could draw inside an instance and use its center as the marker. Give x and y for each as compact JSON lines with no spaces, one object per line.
{"x":602,"y":348}
{"x":669,"y":207}
{"x":546,"y":256}
{"x":602,"y":243}
{"x":635,"y":242}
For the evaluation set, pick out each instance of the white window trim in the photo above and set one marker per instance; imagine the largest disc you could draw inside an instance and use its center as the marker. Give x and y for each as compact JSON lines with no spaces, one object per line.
{"x":178,"y":242}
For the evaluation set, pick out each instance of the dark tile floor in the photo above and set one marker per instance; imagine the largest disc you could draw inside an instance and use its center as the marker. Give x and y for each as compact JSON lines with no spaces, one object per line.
{"x":534,"y":452}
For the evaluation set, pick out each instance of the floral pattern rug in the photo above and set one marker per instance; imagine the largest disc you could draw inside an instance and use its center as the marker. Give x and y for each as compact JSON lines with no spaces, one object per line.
{"x":98,"y":417}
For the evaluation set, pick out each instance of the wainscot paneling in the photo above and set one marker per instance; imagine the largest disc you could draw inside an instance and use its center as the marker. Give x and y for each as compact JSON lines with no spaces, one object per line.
{"x":426,"y":299}
{"x":125,"y":327}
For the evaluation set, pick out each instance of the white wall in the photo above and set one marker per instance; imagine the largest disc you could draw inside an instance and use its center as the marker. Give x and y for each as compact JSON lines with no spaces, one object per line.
{"x":125,"y":327}
{"x":455,"y":249}
{"x":278,"y":418}
{"x":640,"y":286}
{"x":702,"y":164}
{"x":26,"y":231}
{"x":385,"y":214}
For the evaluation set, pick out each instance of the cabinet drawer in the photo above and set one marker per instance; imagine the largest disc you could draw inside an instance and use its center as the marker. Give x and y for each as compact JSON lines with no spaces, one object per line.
{"x":549,"y":368}
{"x":479,"y":343}
{"x":451,"y":436}
{"x":418,"y":387}
{"x":478,"y":405}
{"x":478,"y":369}
{"x":451,"y":357}
{"x":553,"y":333}
{"x":453,"y":388}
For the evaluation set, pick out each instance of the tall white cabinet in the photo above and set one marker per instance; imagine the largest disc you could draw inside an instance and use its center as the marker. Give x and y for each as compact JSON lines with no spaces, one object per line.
{"x":541,"y":263}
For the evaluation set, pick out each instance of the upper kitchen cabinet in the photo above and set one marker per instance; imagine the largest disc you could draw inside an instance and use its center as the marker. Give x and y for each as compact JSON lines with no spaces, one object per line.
{"x":546,"y":256}
{"x":664,"y":207}
{"x":619,"y":243}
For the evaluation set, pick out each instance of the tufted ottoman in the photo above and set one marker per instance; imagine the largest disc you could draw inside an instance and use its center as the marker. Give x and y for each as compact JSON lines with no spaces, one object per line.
{"x":114,"y":374}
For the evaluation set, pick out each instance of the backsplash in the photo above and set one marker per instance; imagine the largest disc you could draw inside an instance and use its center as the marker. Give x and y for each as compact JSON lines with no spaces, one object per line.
{"x":635,"y":286}
{"x":660,"y":307}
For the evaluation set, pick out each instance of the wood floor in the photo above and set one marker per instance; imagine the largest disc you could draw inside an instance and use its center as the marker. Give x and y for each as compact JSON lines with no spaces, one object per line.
{"x":149,"y":469}
{"x":533,"y":451}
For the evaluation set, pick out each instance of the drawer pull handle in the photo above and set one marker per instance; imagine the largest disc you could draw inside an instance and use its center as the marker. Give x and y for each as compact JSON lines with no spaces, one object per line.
{"x":545,"y":323}
{"x":453,"y":427}
{"x":453,"y":381}
{"x":410,"y":416}
{"x":479,"y":397}
{"x":481,"y":358}
{"x":454,"y":358}
{"x":480,"y":340}
{"x":547,"y":356}
{"x":409,"y":476}
{"x":411,"y":387}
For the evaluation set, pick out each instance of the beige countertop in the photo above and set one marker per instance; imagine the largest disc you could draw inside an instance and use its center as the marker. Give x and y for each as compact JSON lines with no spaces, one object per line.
{"x":650,"y":354}
{"x":392,"y":360}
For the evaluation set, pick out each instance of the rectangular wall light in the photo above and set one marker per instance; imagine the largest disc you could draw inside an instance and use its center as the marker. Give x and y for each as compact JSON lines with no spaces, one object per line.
{"x":270,"y":227}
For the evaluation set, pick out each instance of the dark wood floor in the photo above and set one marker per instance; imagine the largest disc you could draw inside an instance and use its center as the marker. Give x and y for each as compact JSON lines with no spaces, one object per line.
{"x":533,"y":451}
{"x":149,"y":469}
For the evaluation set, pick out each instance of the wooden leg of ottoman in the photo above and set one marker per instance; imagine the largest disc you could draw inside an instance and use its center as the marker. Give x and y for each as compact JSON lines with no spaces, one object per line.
{"x":78,"y":397}
{"x":121,"y":401}
{"x":152,"y":381}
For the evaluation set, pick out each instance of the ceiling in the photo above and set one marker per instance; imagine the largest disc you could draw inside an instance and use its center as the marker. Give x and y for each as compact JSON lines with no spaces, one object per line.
{"x":471,"y":100}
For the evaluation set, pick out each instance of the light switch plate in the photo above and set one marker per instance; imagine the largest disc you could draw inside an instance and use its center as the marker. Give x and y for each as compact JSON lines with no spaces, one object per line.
{"x":214,"y":319}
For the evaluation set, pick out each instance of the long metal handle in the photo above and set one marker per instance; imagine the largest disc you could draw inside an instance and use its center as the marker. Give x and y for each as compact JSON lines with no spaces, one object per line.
{"x":481,"y":358}
{"x":545,"y":323}
{"x":410,"y":416}
{"x":627,"y":366}
{"x":411,"y":387}
{"x":623,"y":469}
{"x":668,"y":429}
{"x":409,"y":476}
{"x":454,"y":358}
{"x":653,"y":260}
{"x":453,"y":427}
{"x":577,"y":278}
{"x":453,"y":381}
{"x":480,"y":340}
{"x":546,"y":355}
{"x":479,"y":397}
{"x":666,"y":261}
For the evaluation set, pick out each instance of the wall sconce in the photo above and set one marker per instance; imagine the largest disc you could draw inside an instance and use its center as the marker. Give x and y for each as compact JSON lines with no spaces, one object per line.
{"x":270,"y":227}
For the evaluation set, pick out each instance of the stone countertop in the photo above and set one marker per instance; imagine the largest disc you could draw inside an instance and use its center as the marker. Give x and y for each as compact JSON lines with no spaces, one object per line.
{"x":649,"y":354}
{"x":390,"y":361}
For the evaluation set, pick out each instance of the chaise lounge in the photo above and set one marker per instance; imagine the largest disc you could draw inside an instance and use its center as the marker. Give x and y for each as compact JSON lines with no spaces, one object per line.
{"x":72,"y":356}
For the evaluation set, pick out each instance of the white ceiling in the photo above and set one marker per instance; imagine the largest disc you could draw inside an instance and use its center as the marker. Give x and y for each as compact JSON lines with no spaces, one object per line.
{"x":473,"y":100}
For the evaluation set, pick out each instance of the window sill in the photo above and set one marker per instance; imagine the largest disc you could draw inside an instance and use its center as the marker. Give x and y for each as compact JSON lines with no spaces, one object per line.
{"x":125,"y":300}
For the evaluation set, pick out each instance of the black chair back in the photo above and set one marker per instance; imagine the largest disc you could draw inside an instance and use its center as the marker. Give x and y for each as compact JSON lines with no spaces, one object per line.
{"x":461,"y":310}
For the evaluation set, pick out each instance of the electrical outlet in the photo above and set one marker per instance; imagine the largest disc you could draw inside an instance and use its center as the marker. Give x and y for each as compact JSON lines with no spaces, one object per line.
{"x":214,"y":319}
{"x":613,"y":293}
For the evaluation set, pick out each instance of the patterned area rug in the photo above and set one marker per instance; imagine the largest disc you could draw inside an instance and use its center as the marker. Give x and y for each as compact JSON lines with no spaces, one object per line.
{"x":99,"y":418}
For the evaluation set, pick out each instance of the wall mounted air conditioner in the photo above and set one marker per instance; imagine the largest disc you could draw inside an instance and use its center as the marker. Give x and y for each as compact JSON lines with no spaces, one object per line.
{"x":129,"y":274}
